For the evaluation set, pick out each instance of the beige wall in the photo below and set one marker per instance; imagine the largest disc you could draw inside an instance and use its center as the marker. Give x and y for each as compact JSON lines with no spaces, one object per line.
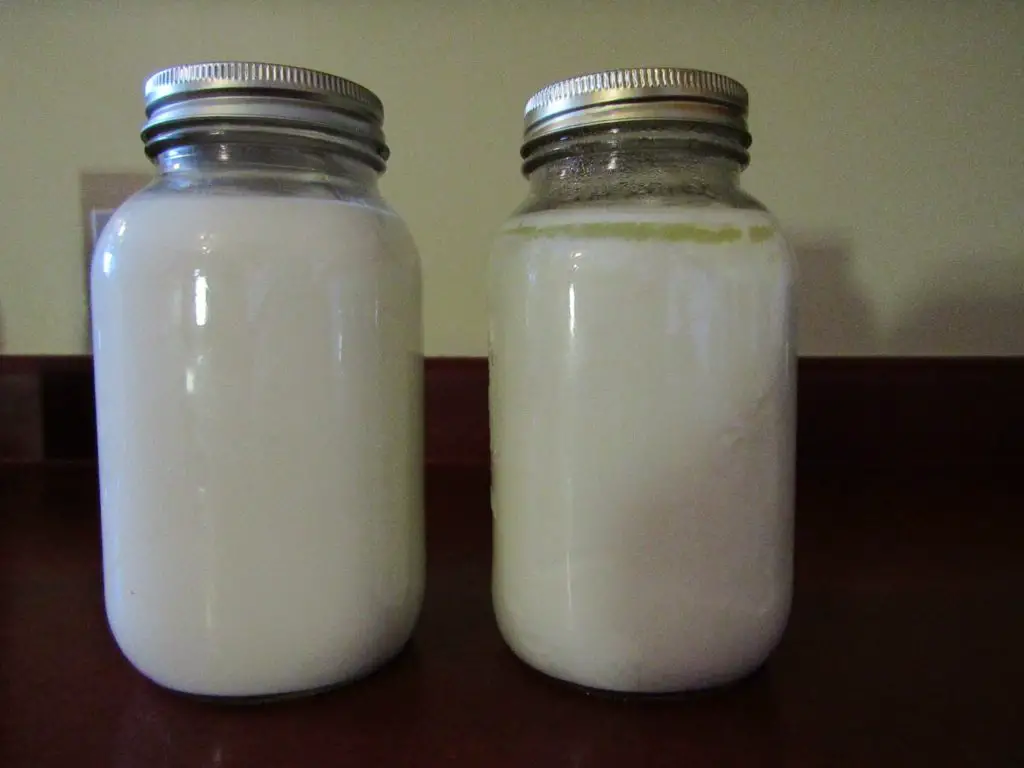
{"x":889,"y":137}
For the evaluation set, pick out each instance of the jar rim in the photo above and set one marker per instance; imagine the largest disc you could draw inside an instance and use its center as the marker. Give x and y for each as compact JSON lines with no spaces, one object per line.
{"x":644,"y":94}
{"x":208,"y":97}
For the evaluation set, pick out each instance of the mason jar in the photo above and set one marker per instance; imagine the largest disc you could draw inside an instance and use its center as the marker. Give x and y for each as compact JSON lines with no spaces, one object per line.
{"x":257,"y":345}
{"x":642,"y":390}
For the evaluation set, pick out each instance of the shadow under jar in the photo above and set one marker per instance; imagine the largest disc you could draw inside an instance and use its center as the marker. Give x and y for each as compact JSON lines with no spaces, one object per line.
{"x":257,"y":336}
{"x":642,"y":390}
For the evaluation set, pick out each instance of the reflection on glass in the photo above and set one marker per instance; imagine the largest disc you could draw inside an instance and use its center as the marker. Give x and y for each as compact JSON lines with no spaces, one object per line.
{"x":201,"y":290}
{"x":572,"y":309}
{"x":572,"y":294}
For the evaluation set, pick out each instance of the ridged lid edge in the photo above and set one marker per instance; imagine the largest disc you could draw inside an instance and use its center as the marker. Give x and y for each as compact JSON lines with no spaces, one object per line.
{"x":211,"y":76}
{"x":635,"y":84}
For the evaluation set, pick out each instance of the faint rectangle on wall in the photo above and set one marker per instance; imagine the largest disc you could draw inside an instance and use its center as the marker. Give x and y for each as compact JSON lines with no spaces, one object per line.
{"x":101,"y":192}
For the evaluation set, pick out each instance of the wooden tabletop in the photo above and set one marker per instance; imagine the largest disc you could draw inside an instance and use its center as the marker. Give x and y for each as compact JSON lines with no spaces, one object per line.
{"x":905,"y":648}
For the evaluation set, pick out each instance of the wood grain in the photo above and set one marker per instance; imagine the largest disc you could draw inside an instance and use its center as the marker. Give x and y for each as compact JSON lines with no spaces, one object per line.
{"x":903,"y":649}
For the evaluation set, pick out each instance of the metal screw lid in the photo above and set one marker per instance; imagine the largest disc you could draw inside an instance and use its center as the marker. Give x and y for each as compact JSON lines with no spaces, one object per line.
{"x":639,"y":94}
{"x":272,"y":98}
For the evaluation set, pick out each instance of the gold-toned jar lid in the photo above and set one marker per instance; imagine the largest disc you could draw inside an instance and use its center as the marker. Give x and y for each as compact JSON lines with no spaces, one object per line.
{"x":648,"y":94}
{"x":270,"y":97}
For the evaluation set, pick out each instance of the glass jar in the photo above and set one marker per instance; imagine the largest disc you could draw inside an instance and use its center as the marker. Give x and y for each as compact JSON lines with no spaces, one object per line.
{"x":642,"y":390}
{"x":258,"y":355}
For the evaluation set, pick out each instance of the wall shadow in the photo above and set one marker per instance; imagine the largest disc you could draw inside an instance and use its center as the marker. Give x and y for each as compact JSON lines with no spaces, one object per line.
{"x":971,"y":306}
{"x":833,"y":316}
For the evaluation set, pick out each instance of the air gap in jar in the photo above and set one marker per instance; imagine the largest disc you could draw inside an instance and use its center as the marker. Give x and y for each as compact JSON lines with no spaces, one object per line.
{"x":642,"y":390}
{"x":257,"y":342}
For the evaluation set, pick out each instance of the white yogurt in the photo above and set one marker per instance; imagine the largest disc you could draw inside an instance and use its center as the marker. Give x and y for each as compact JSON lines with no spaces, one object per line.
{"x":258,"y":381}
{"x":641,"y":413}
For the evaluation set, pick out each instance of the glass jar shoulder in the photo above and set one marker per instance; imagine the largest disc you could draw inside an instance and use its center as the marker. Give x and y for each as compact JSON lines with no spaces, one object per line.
{"x":644,"y":222}
{"x":686,"y":193}
{"x":161,"y":225}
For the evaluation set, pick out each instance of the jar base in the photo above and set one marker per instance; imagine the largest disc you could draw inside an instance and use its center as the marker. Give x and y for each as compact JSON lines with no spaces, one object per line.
{"x":668,"y":697}
{"x":687,"y":691}
{"x":260,"y":699}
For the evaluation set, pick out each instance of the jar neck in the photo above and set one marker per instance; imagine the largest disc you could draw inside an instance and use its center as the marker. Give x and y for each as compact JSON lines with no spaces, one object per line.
{"x":250,"y":163}
{"x":675,"y":165}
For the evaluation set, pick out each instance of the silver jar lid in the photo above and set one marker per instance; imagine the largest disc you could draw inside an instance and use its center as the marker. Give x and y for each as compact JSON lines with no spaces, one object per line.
{"x":647,"y":94}
{"x":184,"y":100}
